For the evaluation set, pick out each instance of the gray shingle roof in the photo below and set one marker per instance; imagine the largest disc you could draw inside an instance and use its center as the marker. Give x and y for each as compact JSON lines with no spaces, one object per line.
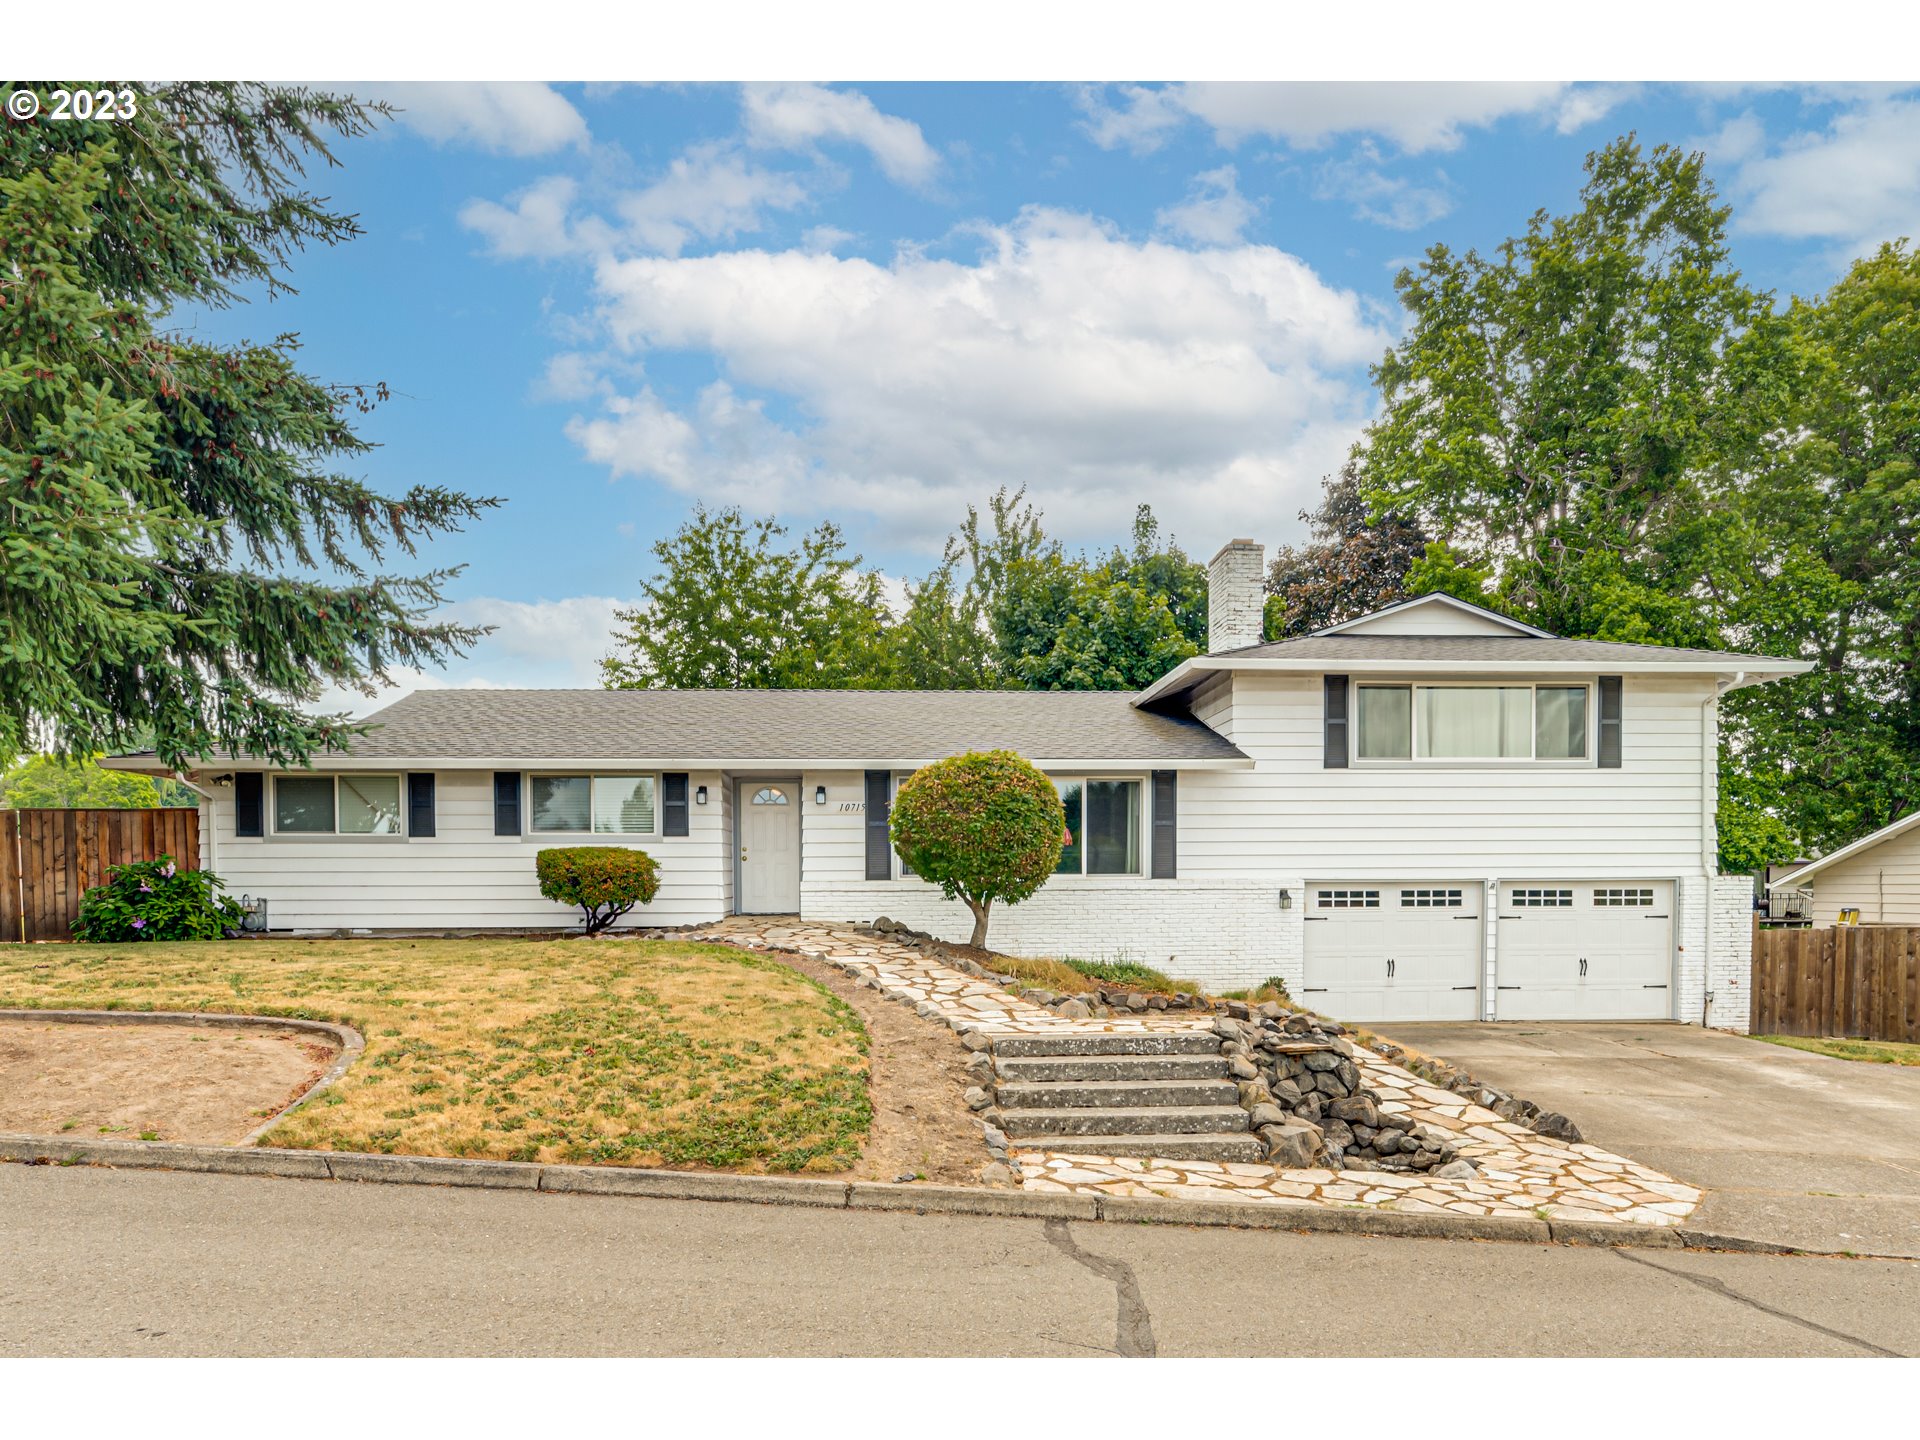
{"x":1469,"y":649}
{"x":780,"y":726}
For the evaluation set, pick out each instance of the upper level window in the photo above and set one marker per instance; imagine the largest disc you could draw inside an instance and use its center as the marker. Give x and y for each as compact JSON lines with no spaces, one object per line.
{"x":592,"y":804}
{"x":1103,"y":827}
{"x":336,"y":805}
{"x":1471,"y":722}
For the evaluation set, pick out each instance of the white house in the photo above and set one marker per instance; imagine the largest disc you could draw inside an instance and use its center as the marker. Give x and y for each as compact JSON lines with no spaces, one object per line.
{"x":1432,"y":812}
{"x":1877,"y":876}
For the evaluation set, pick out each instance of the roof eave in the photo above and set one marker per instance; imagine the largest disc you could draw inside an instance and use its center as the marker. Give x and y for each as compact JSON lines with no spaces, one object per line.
{"x":1865,"y":842}
{"x":759,"y":766}
{"x":1187,"y":671}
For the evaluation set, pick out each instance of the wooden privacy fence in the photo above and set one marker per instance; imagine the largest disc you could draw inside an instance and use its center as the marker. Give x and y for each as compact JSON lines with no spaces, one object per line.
{"x":49,"y":859}
{"x":1861,"y":981}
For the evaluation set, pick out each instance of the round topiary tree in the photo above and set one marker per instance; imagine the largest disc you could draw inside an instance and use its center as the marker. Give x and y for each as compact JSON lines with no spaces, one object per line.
{"x":605,"y":881}
{"x":983,"y":826}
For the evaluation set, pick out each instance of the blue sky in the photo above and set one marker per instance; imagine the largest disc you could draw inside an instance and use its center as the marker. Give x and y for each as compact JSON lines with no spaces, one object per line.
{"x":877,"y":303}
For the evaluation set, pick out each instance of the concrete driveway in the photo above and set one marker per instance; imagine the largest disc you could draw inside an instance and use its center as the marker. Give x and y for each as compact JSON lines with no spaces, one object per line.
{"x":1794,"y":1148}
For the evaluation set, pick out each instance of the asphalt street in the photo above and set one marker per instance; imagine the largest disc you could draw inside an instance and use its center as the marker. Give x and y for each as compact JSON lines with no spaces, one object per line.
{"x":111,"y":1263}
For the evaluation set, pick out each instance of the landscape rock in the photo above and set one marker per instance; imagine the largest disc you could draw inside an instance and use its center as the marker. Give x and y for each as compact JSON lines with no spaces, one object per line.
{"x":1292,"y":1147}
{"x":1356,"y":1108}
{"x":1267,"y":1115}
{"x":1455,"y":1170}
{"x":1556,"y":1126}
{"x":1074,"y":1010}
{"x":977,"y":1098}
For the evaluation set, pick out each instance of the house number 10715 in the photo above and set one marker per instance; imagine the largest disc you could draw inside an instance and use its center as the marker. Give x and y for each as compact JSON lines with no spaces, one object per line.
{"x":852,"y":807}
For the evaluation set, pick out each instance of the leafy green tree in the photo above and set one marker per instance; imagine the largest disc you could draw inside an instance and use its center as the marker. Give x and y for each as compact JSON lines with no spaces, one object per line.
{"x":1062,"y":622}
{"x":1555,"y":410}
{"x":985,"y":826}
{"x":1351,"y":564}
{"x":164,"y":502}
{"x":730,"y":608}
{"x":605,"y":881}
{"x":1823,"y":560}
{"x":48,"y":782}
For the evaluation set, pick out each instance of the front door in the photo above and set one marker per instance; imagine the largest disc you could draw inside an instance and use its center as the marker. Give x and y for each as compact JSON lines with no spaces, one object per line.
{"x":769,"y":825}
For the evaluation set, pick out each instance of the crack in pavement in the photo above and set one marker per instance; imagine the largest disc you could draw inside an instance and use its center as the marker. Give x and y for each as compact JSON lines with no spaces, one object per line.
{"x":1133,"y":1327}
{"x":1727,"y":1292}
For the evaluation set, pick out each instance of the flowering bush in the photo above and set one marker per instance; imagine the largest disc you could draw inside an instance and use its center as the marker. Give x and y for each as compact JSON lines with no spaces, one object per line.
{"x":605,"y":881}
{"x":156,"y":900}
{"x":983,"y":826}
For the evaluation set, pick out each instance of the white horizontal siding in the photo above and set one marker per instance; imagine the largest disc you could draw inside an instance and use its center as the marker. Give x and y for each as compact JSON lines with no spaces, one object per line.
{"x":463,"y":875}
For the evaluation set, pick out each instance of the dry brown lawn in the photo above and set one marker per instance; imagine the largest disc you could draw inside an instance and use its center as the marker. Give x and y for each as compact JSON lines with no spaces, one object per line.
{"x":621,"y":1052}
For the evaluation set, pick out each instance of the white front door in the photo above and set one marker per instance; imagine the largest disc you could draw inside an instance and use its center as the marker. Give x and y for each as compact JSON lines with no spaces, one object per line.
{"x":769,"y":825}
{"x":1584,"y":950}
{"x":1406,"y":950}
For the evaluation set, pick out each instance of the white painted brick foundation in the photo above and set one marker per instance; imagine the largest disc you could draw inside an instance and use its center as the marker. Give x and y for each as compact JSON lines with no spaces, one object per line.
{"x":1225,"y":934}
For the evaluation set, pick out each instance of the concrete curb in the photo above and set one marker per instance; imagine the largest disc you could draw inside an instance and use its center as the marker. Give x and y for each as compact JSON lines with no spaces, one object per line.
{"x":612,"y":1180}
{"x":350,"y":1041}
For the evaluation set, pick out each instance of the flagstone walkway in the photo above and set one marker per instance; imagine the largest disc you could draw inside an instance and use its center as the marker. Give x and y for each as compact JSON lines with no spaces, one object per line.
{"x":1522,"y":1175}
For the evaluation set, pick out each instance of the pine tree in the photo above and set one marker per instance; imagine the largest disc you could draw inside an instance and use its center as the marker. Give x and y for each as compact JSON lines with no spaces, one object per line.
{"x":183,"y":561}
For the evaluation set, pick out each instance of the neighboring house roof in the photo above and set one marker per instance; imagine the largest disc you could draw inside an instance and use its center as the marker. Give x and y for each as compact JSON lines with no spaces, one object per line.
{"x":733,"y":728}
{"x":1866,"y":842}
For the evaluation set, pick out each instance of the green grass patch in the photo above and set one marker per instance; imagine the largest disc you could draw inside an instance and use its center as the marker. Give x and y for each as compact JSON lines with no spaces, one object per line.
{"x":1877,"y":1052}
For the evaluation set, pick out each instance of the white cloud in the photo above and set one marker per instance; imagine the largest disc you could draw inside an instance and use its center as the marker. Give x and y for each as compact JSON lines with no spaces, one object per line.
{"x":536,"y":644}
{"x":1384,"y":199}
{"x":512,"y":116}
{"x":539,"y":225}
{"x":1099,"y":371}
{"x":797,"y":117}
{"x":1214,"y":212}
{"x":1415,"y":116}
{"x":1855,"y":183}
{"x":710,"y":193}
{"x":826,"y":237}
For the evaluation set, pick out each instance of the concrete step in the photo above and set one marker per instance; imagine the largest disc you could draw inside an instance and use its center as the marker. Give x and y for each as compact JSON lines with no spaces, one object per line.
{"x":1218,"y":1148}
{"x":1202,"y":1042}
{"x":1052,"y":1069}
{"x":1116,"y":1094}
{"x":1155,"y":1120}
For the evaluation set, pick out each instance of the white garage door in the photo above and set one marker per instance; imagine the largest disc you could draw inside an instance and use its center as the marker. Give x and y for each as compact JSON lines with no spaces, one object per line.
{"x":1595,"y":950}
{"x":1401,"y":951}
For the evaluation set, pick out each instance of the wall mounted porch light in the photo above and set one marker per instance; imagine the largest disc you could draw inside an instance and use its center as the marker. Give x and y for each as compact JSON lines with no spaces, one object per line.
{"x":700,"y":795}
{"x":819,"y":794}
{"x":1286,"y":899}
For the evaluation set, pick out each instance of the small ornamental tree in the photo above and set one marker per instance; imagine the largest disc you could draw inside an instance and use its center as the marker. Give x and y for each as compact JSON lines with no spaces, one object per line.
{"x":157,"y":900}
{"x":605,"y":881}
{"x":983,"y":826}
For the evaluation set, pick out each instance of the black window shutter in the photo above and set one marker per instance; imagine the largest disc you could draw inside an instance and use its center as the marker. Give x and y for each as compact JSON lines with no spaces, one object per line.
{"x":1166,"y":824}
{"x":879,"y":811}
{"x":420,"y":803}
{"x":1336,"y":727}
{"x":506,"y":802}
{"x":1609,"y":722}
{"x":249,"y":803}
{"x":673,"y":804}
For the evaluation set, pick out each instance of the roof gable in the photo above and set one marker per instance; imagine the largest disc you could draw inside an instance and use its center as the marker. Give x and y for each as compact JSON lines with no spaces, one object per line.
{"x":1865,"y":842}
{"x":1434,"y":615}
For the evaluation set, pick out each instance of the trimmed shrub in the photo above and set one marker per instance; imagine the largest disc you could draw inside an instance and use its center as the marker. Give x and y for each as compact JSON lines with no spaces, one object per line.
{"x":605,"y":881}
{"x":983,"y":826}
{"x":156,"y":900}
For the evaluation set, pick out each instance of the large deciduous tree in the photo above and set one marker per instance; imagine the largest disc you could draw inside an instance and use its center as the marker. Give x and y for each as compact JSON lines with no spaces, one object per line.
{"x":184,"y":559}
{"x":1352,"y":563}
{"x":48,"y":782}
{"x":1555,"y":409}
{"x":732,"y":608}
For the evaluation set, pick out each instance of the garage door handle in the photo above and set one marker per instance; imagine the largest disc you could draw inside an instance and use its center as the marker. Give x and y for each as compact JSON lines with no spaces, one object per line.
{"x":1313,"y":989}
{"x":1509,"y":987}
{"x":1653,"y":987}
{"x":1659,"y":917}
{"x":1318,"y":917}
{"x":1390,"y":969}
{"x":1466,"y":917}
{"x":1583,"y":965}
{"x":1476,"y":987}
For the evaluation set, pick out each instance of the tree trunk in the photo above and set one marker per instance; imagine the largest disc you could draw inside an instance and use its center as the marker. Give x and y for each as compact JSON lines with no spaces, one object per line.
{"x":980,"y":909}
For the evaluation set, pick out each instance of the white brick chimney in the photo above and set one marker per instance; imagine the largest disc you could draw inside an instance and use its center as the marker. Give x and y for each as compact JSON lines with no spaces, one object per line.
{"x":1236,"y":596}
